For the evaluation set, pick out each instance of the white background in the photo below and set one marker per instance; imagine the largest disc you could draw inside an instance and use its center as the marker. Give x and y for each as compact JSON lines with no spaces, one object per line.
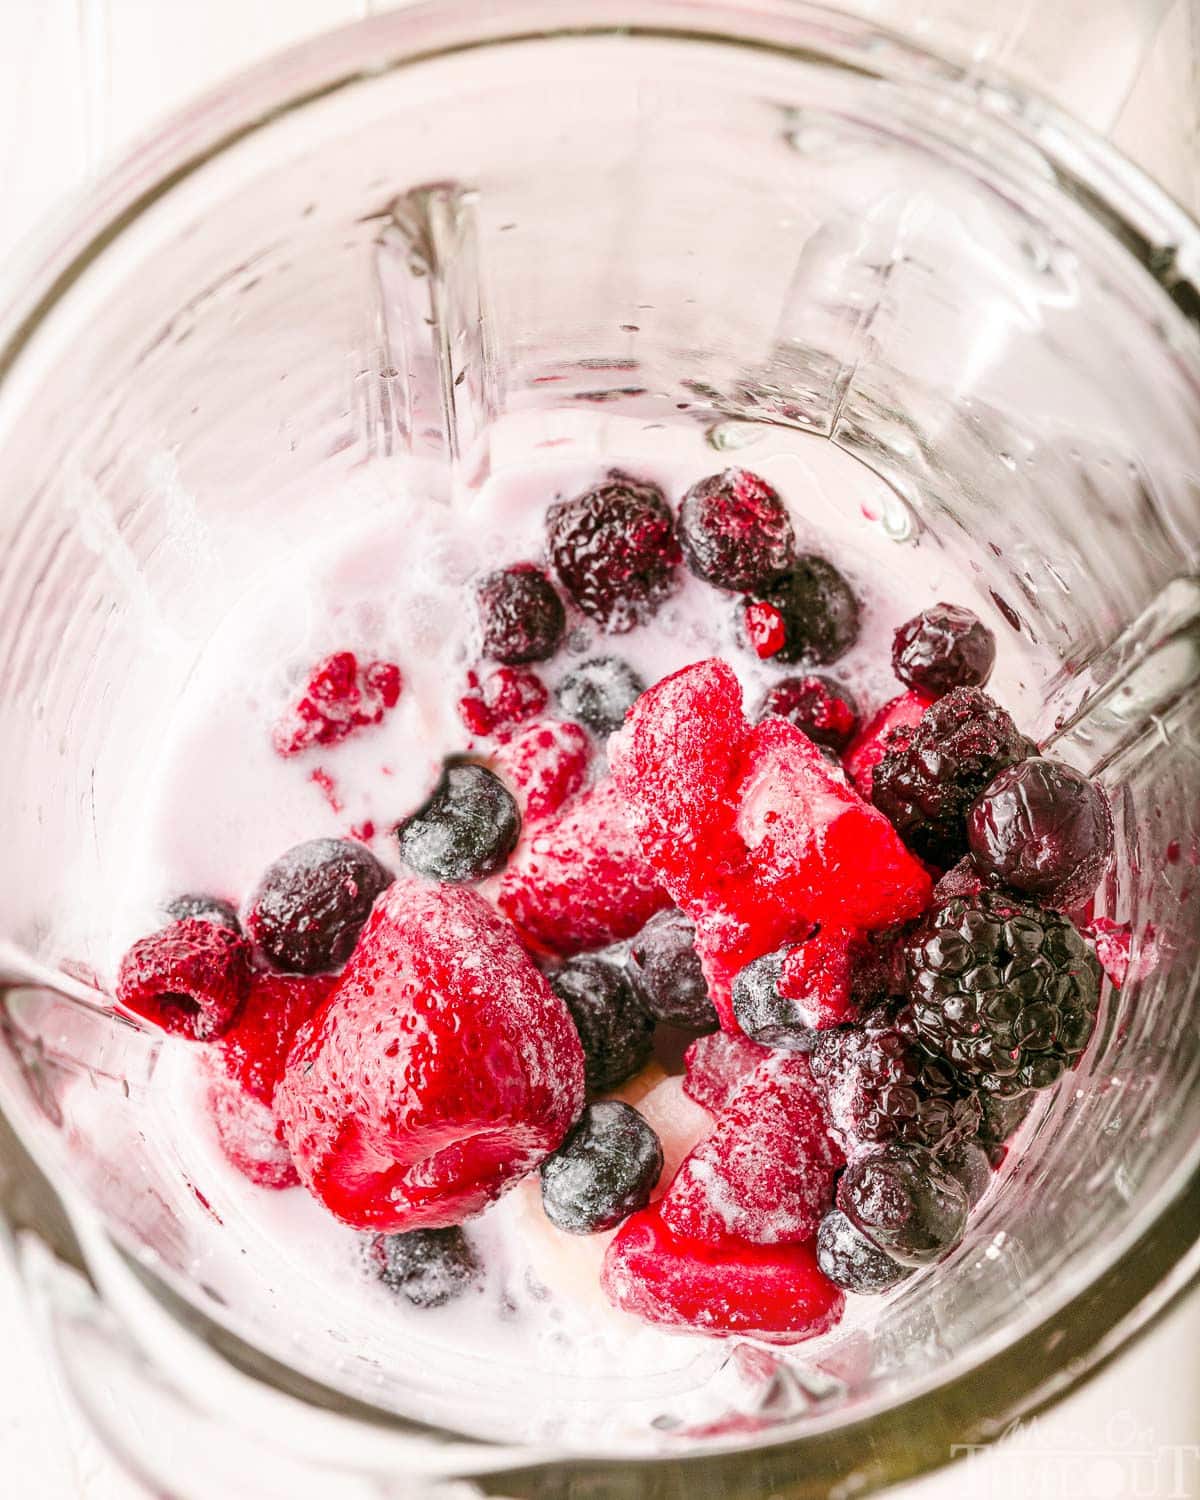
{"x":80,"y":78}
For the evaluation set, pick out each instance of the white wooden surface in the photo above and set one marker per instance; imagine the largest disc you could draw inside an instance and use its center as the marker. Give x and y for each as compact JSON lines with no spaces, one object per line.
{"x":79,"y":78}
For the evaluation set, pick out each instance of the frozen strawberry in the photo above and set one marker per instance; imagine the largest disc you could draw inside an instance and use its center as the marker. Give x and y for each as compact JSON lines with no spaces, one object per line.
{"x":248,"y":1134}
{"x":765,"y":1175}
{"x":544,"y":764}
{"x":441,"y":1068}
{"x":817,"y":977}
{"x":339,"y":696}
{"x":717,"y":1065}
{"x":874,"y":740}
{"x":255,"y":1048}
{"x":496,"y":704}
{"x":189,"y":978}
{"x":772,"y":1292}
{"x":579,"y":880}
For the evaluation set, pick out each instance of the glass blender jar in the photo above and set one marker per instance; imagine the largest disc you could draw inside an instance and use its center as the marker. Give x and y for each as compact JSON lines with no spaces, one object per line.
{"x":767,"y":224}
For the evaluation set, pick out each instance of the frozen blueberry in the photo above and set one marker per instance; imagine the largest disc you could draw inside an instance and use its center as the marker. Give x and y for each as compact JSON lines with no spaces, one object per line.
{"x":666,"y":970}
{"x":615,"y":1028}
{"x":427,"y":1267}
{"x":968,"y":1161}
{"x":821,"y":707}
{"x":819,"y":612}
{"x":605,"y":1170}
{"x":599,"y":693}
{"x":204,"y":909}
{"x":520,"y":614}
{"x":851,"y":1261}
{"x":310,"y":905}
{"x":943,"y":648}
{"x":735,"y":531}
{"x":904,"y":1200}
{"x":466,"y":830}
{"x":762,"y":1013}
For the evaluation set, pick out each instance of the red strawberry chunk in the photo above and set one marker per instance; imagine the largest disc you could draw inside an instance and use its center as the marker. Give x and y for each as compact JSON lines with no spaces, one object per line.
{"x":190,"y":978}
{"x":773,"y":1292}
{"x":874,"y":739}
{"x":579,"y":880}
{"x":765,"y":1174}
{"x":441,"y":1068}
{"x":717,"y":1065}
{"x":337,"y":698}
{"x":255,"y":1048}
{"x":818,"y":977}
{"x":496,"y":704}
{"x":544,"y":764}
{"x":249,"y":1135}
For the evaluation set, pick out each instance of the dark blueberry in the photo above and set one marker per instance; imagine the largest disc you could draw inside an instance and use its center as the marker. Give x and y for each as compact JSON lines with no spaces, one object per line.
{"x":905,"y":1201}
{"x":926,"y":785}
{"x":735,"y":532}
{"x":615,"y":1028}
{"x":819,"y":612}
{"x":966,"y":1159}
{"x":1005,"y":991}
{"x":311,"y":904}
{"x":605,"y":1170}
{"x":615,"y":552}
{"x":521,"y":615}
{"x":762,"y":1013}
{"x":466,"y":830}
{"x":427,"y":1267}
{"x":1044,"y":830}
{"x":665,"y":968}
{"x":599,"y":693}
{"x":821,"y":707}
{"x":204,"y":909}
{"x":851,"y":1261}
{"x":943,"y":648}
{"x":1003,"y":1116}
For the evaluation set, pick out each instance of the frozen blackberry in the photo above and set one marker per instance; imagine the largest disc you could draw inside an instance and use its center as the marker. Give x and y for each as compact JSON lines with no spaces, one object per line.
{"x":666,"y":971}
{"x":615,"y":552}
{"x":882,"y":1085}
{"x":615,"y":1028}
{"x":905,"y":1201}
{"x":427,"y":1267}
{"x":762,"y":1012}
{"x":520,"y":614}
{"x":820,"y":707}
{"x":818,"y":609}
{"x":926,"y":782}
{"x":1005,"y":991}
{"x":605,"y":1170}
{"x":599,"y":693}
{"x":1003,"y":1116}
{"x":466,"y":830}
{"x":311,"y":904}
{"x":204,"y":909}
{"x":735,"y":532}
{"x":854,"y":1262}
{"x":1043,"y":829}
{"x":942,"y":648}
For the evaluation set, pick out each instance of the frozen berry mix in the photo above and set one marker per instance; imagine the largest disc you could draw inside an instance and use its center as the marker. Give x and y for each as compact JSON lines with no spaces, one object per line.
{"x":706,"y":974}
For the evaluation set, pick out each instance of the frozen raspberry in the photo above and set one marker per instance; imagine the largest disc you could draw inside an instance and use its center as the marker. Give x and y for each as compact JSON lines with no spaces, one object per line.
{"x":248,"y":1135}
{"x":255,"y":1048}
{"x":819,"y":611}
{"x":338,"y":698}
{"x":943,"y":648}
{"x":765,"y":1175}
{"x":852,"y":1261}
{"x":1042,"y":829}
{"x":905,"y":1201}
{"x":310,"y":905}
{"x":520,"y":614}
{"x":763,"y":628}
{"x":496,"y":705}
{"x":605,"y":1170}
{"x":440,"y":1070}
{"x":926,"y":786}
{"x":717,"y":1065}
{"x":615,"y":1029}
{"x":890,"y":729}
{"x":205,"y":909}
{"x":1005,"y":991}
{"x":579,"y":879}
{"x":818,"y":706}
{"x":427,"y":1267}
{"x":881,"y":1084}
{"x":466,"y":830}
{"x":666,"y":970}
{"x":1002,"y":1118}
{"x":544,"y":764}
{"x":735,"y":532}
{"x":599,"y":693}
{"x":189,"y":978}
{"x":614,"y":551}
{"x":772,"y":1292}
